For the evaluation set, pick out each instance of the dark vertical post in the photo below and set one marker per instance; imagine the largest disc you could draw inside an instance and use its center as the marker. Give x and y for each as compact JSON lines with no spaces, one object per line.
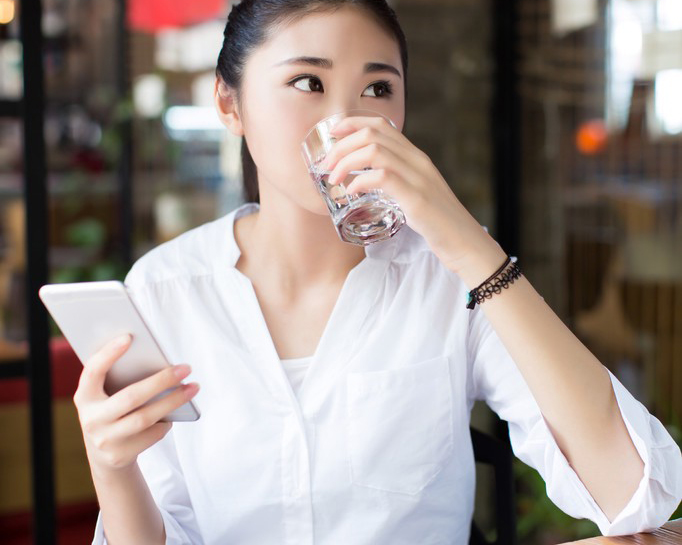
{"x":506,"y":131}
{"x":35,"y":195}
{"x":506,"y":125}
{"x":125,"y":129}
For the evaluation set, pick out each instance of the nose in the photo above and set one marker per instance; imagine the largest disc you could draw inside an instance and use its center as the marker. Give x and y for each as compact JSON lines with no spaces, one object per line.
{"x":342,"y":107}
{"x":343,"y":103}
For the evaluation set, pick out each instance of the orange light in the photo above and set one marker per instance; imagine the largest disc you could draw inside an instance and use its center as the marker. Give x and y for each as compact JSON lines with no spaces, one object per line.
{"x":6,"y":11}
{"x":591,"y":137}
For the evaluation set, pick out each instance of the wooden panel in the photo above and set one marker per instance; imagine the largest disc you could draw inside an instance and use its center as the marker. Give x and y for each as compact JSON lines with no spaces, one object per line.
{"x":671,"y":533}
{"x":72,"y":471}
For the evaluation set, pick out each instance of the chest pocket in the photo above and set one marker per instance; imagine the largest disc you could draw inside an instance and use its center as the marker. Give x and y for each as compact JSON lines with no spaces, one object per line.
{"x":400,"y":429}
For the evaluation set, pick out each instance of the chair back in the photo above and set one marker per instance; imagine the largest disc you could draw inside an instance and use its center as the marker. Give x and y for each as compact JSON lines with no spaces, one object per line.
{"x":491,"y":451}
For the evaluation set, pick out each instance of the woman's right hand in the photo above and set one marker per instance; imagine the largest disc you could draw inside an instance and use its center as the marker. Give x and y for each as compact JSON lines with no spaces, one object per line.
{"x":117,"y":428}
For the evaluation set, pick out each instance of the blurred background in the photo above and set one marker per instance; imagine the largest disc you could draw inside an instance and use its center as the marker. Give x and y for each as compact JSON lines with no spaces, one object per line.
{"x":557,"y":123}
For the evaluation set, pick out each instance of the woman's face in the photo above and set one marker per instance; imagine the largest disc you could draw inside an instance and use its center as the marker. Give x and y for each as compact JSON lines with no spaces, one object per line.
{"x":308,"y":70}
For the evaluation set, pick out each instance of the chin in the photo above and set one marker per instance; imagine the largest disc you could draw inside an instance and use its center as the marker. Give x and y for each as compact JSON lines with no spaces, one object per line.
{"x":316,"y":206}
{"x":310,"y":200}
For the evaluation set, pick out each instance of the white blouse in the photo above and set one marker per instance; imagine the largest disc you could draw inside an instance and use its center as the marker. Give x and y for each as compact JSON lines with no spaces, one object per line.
{"x":296,"y":369}
{"x":375,"y":449}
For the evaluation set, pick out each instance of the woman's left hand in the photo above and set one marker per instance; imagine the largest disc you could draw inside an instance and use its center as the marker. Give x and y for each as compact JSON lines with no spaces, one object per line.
{"x":409,"y":176}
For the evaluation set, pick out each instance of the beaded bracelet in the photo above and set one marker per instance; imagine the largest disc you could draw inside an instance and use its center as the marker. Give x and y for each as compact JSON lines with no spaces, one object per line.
{"x":500,"y":279}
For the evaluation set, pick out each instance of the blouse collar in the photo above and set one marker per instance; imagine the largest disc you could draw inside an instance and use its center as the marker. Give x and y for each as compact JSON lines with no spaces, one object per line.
{"x":384,"y":250}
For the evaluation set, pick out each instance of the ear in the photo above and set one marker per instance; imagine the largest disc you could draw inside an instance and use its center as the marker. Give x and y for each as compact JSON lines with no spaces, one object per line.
{"x":226,"y":106}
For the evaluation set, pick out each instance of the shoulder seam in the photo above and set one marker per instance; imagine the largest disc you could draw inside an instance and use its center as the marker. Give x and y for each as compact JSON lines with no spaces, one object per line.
{"x":156,"y":281}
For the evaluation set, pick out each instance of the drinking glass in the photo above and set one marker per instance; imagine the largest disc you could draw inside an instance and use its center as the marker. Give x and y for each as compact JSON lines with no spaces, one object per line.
{"x":361,"y":218}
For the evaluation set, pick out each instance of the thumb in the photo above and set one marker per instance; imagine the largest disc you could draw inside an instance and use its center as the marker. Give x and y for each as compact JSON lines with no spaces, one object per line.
{"x":95,"y":369}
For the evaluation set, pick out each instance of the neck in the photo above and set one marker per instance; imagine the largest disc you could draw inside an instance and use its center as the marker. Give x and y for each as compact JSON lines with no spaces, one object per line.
{"x":292,"y":247}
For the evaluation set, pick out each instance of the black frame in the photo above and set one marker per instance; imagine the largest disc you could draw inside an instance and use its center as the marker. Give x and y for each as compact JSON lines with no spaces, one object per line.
{"x":506,"y":131}
{"x":37,"y":243}
{"x":506,"y":125}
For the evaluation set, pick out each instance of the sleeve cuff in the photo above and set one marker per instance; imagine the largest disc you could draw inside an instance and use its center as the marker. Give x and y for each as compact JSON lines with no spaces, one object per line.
{"x":657,"y":494}
{"x":174,"y":534}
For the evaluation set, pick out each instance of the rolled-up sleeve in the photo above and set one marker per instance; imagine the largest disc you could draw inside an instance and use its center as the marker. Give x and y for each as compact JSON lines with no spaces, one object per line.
{"x":162,"y":473}
{"x":497,"y":381}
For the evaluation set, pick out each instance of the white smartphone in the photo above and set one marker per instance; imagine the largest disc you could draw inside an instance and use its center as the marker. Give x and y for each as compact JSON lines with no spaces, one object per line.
{"x":90,"y":314}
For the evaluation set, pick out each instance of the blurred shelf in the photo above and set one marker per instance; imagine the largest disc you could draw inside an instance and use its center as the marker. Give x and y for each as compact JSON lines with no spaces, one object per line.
{"x":11,"y":184}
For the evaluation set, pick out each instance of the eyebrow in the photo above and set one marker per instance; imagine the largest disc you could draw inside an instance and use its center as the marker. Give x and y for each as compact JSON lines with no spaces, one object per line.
{"x":370,"y":67}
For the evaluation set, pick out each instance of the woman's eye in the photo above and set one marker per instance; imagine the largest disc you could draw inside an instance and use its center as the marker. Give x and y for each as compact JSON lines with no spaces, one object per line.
{"x":379,"y":89}
{"x":308,"y":84}
{"x":312,"y":84}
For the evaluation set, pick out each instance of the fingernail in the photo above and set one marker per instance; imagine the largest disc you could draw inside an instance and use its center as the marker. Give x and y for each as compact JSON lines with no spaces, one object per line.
{"x":182,"y":370}
{"x":191,"y":389}
{"x":122,"y":340}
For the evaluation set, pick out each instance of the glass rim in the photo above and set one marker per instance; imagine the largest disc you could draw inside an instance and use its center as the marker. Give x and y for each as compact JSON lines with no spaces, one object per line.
{"x":354,"y":113}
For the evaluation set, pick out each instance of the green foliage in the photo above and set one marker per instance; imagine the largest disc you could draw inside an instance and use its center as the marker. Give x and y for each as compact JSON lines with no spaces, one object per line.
{"x":124,"y":110}
{"x":110,"y":145}
{"x":675,"y":431}
{"x":90,"y":234}
{"x":86,"y":233}
{"x":538,"y":516}
{"x":102,"y":270}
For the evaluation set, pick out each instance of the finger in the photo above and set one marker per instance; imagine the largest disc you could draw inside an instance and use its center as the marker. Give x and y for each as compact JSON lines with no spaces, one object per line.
{"x":373,"y":156}
{"x":131,"y":397}
{"x":349,"y":125}
{"x":150,"y":436}
{"x":145,"y":417}
{"x":362,"y":138}
{"x":363,"y":135}
{"x":375,"y":179}
{"x":91,"y":382}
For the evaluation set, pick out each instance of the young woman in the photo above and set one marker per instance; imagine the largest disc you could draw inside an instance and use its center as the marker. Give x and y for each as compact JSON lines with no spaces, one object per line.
{"x":337,"y":380}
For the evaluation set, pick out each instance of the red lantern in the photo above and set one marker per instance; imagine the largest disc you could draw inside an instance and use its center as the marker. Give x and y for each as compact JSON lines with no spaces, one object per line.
{"x":155,"y":15}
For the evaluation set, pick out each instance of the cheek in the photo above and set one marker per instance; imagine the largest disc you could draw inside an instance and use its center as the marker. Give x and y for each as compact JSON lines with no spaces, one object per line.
{"x":276,"y":125}
{"x":274,"y":130}
{"x":278,"y":157}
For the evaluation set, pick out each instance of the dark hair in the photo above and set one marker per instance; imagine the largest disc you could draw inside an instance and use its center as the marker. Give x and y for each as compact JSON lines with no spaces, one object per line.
{"x":249,"y":25}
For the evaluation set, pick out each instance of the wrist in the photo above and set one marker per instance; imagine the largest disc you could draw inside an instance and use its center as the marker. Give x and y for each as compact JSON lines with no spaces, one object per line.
{"x":107,"y":474}
{"x":478,"y":264}
{"x":464,"y":246}
{"x":501,"y":279}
